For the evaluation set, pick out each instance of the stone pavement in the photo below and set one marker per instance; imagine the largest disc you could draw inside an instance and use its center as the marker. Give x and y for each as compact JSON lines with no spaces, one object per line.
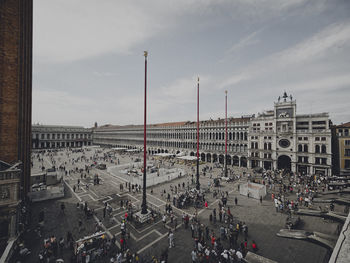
{"x":262,"y":219}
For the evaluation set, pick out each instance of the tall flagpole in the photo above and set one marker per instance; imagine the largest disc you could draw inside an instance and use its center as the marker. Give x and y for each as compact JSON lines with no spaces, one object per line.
{"x":225,"y":133}
{"x":144,"y":204}
{"x":197,"y":183}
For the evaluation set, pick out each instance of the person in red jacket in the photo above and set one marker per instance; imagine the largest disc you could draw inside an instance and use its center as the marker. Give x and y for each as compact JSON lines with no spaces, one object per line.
{"x":254,"y":246}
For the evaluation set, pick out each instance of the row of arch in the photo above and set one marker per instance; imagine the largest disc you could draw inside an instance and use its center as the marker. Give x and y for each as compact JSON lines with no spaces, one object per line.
{"x":231,"y":147}
{"x":211,"y":157}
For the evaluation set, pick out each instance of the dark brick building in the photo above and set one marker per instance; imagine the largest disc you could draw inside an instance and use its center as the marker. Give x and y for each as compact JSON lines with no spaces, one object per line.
{"x":16,"y":23}
{"x":16,"y":33}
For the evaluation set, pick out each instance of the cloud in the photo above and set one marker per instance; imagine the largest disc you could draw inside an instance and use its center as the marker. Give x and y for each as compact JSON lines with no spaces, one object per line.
{"x":66,"y":31}
{"x":327,"y":42}
{"x":244,"y":42}
{"x":104,"y":74}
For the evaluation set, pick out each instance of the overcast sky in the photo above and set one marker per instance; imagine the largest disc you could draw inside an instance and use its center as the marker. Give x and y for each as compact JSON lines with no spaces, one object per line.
{"x":89,"y":66}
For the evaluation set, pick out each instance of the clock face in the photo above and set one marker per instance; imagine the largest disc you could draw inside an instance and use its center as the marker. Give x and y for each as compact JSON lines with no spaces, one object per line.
{"x":284,"y":143}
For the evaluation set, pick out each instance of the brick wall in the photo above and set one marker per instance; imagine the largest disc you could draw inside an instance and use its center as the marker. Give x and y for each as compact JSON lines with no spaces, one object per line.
{"x":16,"y":21}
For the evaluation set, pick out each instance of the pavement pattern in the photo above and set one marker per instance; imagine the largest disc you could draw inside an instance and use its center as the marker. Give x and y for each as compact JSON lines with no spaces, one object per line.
{"x":151,"y":240}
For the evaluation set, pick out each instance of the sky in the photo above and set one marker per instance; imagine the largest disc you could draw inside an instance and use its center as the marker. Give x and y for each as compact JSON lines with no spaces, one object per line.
{"x":88,"y":63}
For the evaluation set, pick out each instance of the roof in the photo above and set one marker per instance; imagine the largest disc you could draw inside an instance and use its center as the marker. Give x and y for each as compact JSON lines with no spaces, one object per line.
{"x":344,"y":125}
{"x":172,"y":124}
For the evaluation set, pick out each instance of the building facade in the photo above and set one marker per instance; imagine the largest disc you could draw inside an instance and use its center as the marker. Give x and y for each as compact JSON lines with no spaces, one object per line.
{"x":16,"y":84}
{"x":341,"y":148}
{"x":275,"y":139}
{"x":281,"y":139}
{"x":54,"y":136}
{"x":9,"y":199}
{"x":16,"y":23}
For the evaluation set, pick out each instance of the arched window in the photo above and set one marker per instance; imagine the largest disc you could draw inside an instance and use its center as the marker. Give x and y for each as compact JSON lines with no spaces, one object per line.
{"x":233,"y":136}
{"x":265,"y":146}
{"x":245,"y":136}
{"x":300,"y":148}
{"x":306,"y":149}
{"x":317,"y":149}
{"x":324,"y":149}
{"x":256,"y":145}
{"x":252,"y":146}
{"x":270,"y":146}
{"x":230,"y":136}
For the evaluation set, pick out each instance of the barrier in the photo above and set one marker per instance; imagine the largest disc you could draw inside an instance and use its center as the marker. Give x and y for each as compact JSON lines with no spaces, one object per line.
{"x":253,"y":190}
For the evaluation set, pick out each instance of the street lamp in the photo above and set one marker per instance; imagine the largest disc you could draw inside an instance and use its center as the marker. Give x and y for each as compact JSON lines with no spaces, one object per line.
{"x":144,"y":204}
{"x":197,"y":183}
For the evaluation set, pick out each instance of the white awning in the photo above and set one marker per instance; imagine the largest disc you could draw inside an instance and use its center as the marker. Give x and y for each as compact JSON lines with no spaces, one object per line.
{"x":164,"y":154}
{"x":187,"y":158}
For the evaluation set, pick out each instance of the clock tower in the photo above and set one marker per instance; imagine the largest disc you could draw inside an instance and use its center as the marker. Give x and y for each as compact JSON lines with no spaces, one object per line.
{"x":286,"y":141}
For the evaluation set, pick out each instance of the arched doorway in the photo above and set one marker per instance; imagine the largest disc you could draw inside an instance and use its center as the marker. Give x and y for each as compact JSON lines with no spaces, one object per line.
{"x":235,"y":161}
{"x":192,"y":154}
{"x":221,"y":159}
{"x":208,"y":157}
{"x":228,"y":160}
{"x":284,"y":162}
{"x":215,"y":158}
{"x":243,"y":162}
{"x":203,"y":157}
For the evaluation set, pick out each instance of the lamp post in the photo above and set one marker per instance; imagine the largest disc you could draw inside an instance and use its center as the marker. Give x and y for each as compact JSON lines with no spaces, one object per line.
{"x":225,"y":133}
{"x":197,"y":183}
{"x":144,"y":204}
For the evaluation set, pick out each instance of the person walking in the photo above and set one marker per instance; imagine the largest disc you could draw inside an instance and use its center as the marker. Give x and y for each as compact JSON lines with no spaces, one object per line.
{"x":171,"y":239}
{"x":236,"y":200}
{"x":62,"y":207}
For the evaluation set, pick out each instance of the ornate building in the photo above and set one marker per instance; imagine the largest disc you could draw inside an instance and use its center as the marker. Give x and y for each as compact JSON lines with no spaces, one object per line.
{"x":341,"y":148}
{"x":179,"y":137}
{"x":54,"y":136}
{"x":275,"y":139}
{"x":280,"y":138}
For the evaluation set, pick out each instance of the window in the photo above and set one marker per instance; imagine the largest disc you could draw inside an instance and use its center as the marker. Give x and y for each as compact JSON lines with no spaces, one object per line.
{"x":347,"y":164}
{"x":300,"y":148}
{"x":300,"y":138}
{"x":323,"y":149}
{"x":324,"y":161}
{"x":323,"y":138}
{"x":317,"y":138}
{"x":317,"y":149}
{"x":317,"y":160}
{"x":42,"y":136}
{"x":306,"y":138}
{"x":306,"y":159}
{"x":318,"y":122}
{"x":347,"y":142}
{"x":347,"y":152}
{"x":306,"y":148}
{"x":300,"y":159}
